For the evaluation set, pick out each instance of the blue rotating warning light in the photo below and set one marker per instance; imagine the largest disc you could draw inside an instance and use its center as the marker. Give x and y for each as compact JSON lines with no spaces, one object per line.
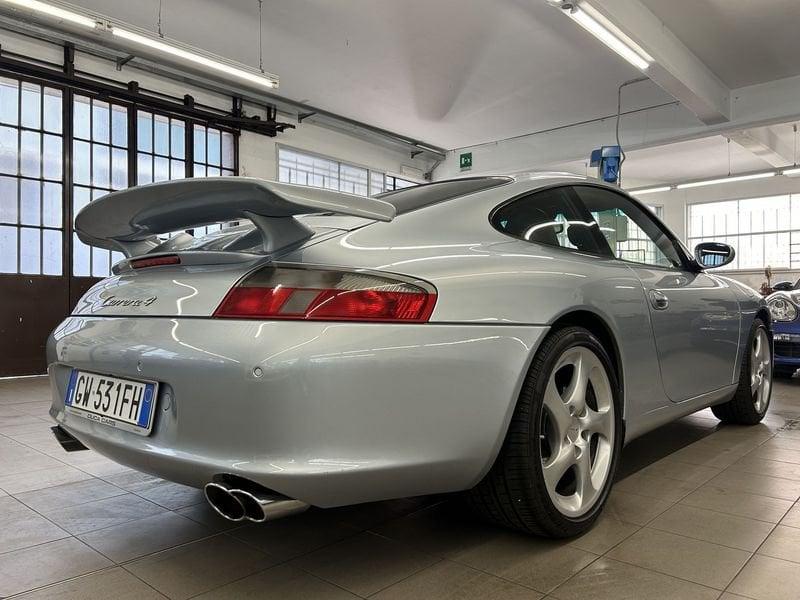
{"x":607,"y":161}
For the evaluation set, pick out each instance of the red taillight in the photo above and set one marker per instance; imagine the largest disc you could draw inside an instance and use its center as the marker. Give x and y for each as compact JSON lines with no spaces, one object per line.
{"x":326,"y":295}
{"x":157,"y":261}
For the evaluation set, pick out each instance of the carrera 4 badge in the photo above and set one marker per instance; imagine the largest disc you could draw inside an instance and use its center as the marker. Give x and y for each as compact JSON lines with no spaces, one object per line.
{"x":115,"y":301}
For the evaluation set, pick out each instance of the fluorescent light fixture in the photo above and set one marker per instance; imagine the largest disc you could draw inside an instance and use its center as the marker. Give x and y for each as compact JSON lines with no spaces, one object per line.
{"x":263,"y":79}
{"x":53,"y":11}
{"x":694,"y":184}
{"x":588,"y":18}
{"x":652,"y":190}
{"x":793,"y":172}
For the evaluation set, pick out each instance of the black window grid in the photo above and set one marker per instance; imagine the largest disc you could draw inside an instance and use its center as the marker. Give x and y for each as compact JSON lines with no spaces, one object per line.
{"x":67,"y":139}
{"x":41,"y":181}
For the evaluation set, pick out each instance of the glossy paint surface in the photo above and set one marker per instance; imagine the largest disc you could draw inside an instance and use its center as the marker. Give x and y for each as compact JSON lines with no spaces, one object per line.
{"x":355,"y":412}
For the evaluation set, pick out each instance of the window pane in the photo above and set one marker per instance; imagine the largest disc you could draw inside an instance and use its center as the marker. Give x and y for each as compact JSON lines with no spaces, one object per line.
{"x":52,"y":110}
{"x":101,"y":176}
{"x":119,"y":168}
{"x":119,"y":125}
{"x":200,"y":143}
{"x":100,"y":260}
{"x":177,"y":169}
{"x":31,"y":158}
{"x":144,"y":131}
{"x":199,"y":170}
{"x":30,"y":210}
{"x":51,"y":252}
{"x":80,"y":258}
{"x":9,"y":101}
{"x":212,"y":171}
{"x":81,"y":117}
{"x":8,"y":150}
{"x":227,"y":150}
{"x":101,"y":117}
{"x":80,"y":198}
{"x":8,"y":199}
{"x":161,"y":135}
{"x":30,"y":251}
{"x":144,"y":168}
{"x":214,"y":148}
{"x":160,"y":169}
{"x":80,"y":162}
{"x":51,"y":205}
{"x":8,"y":249}
{"x":116,"y":257}
{"x":178,"y":139}
{"x":52,"y":156}
{"x":31,"y":105}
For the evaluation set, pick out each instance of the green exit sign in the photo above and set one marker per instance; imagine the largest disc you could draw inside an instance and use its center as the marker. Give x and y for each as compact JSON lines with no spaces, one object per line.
{"x":465,"y":161}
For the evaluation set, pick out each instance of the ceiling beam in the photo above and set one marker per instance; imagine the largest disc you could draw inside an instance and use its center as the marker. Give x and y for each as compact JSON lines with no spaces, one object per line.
{"x":676,"y":68}
{"x":766,"y":144}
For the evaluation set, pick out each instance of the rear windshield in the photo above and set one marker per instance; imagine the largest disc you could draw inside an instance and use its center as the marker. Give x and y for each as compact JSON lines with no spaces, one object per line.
{"x":420,"y":196}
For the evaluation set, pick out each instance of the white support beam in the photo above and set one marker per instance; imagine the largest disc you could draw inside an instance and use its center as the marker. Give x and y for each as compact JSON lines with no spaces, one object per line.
{"x":766,"y":144}
{"x":676,"y":68}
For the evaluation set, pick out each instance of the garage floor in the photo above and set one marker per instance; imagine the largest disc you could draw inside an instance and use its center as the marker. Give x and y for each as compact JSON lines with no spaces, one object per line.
{"x":699,"y":509}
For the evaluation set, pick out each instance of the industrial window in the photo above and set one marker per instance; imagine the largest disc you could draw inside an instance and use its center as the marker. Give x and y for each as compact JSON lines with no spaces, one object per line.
{"x":763,"y":231}
{"x":303,"y":168}
{"x":160,"y":147}
{"x":213,"y":155}
{"x":31,"y":172}
{"x":99,"y":166}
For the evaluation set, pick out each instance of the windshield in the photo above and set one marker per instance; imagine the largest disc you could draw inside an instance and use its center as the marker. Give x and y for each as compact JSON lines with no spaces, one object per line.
{"x":420,"y":196}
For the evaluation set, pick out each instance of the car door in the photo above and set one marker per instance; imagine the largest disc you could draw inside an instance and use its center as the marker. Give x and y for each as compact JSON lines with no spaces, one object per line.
{"x":694,"y":315}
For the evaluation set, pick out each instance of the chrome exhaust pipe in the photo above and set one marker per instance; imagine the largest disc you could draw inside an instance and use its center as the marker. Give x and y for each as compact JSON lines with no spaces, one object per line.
{"x":239,"y":499}
{"x":223,"y":502}
{"x":259,"y":508}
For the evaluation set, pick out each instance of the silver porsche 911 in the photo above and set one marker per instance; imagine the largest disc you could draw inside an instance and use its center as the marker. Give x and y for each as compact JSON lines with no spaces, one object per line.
{"x":500,"y":335}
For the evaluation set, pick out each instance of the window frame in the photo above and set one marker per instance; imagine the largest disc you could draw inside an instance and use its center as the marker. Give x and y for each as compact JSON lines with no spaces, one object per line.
{"x":687,"y":261}
{"x":577,"y":205}
{"x":66,"y":154}
{"x":68,"y":138}
{"x":384,"y":175}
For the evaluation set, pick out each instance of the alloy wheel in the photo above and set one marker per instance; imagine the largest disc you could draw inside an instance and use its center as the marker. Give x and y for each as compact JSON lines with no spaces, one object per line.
{"x":577,"y":431}
{"x":760,"y":370}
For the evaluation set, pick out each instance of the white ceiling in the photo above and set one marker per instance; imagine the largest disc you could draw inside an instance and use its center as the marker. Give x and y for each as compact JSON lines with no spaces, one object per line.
{"x":685,"y":161}
{"x":742,"y":41}
{"x":449,"y":72}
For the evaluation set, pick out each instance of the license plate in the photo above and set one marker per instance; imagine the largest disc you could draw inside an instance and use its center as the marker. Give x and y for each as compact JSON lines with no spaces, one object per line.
{"x":123,"y":403}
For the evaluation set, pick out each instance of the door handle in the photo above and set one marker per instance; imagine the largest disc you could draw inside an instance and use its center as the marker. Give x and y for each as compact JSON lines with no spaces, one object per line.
{"x":659,"y":300}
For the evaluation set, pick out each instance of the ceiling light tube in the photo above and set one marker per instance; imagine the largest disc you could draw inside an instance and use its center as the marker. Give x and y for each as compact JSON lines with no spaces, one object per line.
{"x":694,"y":184}
{"x":53,"y":11}
{"x":615,"y":40}
{"x":792,"y":172}
{"x":262,"y":79}
{"x":653,"y":190}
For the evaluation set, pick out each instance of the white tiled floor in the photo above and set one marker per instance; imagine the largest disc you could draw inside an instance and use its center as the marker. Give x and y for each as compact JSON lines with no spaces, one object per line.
{"x":700,"y":511}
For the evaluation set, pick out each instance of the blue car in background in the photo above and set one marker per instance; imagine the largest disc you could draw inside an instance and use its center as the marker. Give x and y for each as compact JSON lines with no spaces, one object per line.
{"x":784,"y":305}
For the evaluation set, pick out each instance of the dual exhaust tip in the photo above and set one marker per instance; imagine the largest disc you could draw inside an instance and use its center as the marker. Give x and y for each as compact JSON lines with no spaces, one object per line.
{"x":244,"y":500}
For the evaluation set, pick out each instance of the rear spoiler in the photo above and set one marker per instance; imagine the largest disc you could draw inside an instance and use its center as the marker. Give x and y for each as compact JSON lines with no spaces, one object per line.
{"x":130,"y":220}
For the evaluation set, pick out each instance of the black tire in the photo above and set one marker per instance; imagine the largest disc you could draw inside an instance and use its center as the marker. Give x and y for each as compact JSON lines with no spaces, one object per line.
{"x":513,"y":493}
{"x":741,"y":408}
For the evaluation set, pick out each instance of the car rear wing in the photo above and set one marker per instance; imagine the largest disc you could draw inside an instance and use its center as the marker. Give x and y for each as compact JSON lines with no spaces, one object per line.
{"x":130,"y":220}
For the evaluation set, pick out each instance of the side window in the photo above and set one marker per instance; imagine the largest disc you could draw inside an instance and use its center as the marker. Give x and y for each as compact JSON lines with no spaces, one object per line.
{"x":550,"y":217}
{"x":631,"y":232}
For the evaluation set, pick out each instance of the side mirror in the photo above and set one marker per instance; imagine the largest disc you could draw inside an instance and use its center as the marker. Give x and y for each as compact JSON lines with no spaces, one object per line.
{"x":713,"y":254}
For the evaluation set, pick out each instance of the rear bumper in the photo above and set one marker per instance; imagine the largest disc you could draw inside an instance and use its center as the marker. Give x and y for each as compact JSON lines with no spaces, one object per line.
{"x":342,"y":412}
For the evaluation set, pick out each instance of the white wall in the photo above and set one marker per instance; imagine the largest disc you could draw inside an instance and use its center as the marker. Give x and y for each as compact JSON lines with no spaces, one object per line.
{"x":257,"y":153}
{"x":675,"y":203}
